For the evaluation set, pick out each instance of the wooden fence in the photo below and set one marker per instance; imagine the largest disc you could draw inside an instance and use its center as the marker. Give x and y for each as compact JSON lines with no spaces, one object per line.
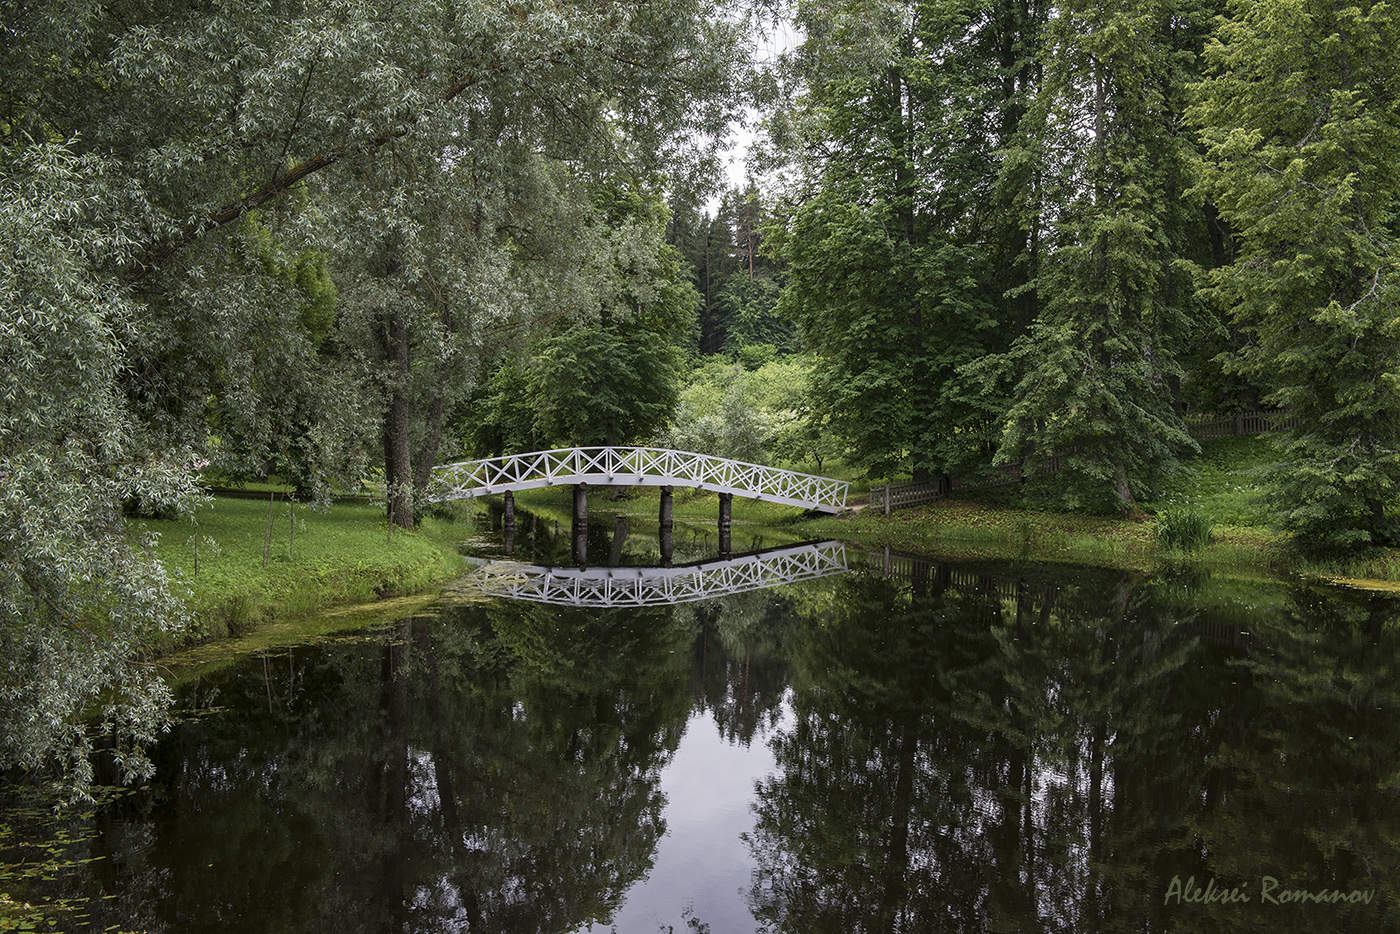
{"x":1207,"y":427}
{"x":887,"y":497}
{"x":892,"y":496}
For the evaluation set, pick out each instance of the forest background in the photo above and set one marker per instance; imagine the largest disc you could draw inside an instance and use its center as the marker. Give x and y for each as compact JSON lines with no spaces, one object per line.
{"x":335,"y":244}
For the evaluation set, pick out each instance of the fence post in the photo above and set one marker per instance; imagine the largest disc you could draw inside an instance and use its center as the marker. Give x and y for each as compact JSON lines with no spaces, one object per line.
{"x":1239,"y":424}
{"x":887,"y":499}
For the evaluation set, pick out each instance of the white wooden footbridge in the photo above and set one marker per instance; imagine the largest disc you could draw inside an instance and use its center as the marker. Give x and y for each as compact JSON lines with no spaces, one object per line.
{"x":650,"y":586}
{"x":636,"y":466}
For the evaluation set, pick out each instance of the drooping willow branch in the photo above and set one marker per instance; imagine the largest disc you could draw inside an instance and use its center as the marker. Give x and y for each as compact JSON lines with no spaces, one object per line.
{"x":283,"y":181}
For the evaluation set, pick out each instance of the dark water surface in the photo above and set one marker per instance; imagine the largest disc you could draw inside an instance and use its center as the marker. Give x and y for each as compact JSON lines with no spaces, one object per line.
{"x":921,"y":746}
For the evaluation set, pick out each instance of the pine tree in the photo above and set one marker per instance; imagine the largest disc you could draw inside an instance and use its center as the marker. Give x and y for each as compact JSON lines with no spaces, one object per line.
{"x":1300,"y":119}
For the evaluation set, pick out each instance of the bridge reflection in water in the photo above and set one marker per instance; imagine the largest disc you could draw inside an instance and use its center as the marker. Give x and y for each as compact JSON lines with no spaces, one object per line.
{"x":659,"y":586}
{"x":638,"y":586}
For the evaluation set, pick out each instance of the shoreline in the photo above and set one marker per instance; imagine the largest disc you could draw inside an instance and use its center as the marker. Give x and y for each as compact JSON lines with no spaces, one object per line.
{"x":292,"y":600}
{"x":339,"y":557}
{"x":978,"y":531}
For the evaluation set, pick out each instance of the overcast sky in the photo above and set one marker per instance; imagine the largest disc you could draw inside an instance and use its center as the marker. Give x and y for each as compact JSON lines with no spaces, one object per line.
{"x":780,"y":38}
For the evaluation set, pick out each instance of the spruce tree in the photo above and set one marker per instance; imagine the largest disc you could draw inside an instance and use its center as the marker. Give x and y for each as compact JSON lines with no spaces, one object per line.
{"x":1095,"y":370}
{"x":1300,"y":121}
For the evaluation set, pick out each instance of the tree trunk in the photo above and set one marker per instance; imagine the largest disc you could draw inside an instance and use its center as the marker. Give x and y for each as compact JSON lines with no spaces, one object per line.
{"x":398,"y":462}
{"x":427,"y":454}
{"x":1123,"y":491}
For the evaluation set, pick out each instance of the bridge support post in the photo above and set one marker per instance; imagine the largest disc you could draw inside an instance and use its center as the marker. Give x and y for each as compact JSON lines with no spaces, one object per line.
{"x":580,"y":524}
{"x":668,"y":546}
{"x":666,"y":511}
{"x":508,"y":500}
{"x":619,"y":538}
{"x":580,"y":504}
{"x":580,"y":546}
{"x":726,"y":503}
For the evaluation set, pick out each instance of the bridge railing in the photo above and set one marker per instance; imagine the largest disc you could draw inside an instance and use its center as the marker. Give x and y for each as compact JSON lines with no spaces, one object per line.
{"x":636,"y":466}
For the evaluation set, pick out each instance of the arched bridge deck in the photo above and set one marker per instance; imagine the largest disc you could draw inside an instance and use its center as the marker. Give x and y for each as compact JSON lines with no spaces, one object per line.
{"x":636,"y":466}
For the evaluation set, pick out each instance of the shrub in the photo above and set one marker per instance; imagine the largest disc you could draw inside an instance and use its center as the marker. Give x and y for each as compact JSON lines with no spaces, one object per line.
{"x":1183,"y":528}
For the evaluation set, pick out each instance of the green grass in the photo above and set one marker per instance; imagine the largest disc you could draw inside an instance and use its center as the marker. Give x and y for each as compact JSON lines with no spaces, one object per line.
{"x":1183,"y":528}
{"x":978,"y":530}
{"x":1223,"y":488}
{"x":341,"y":554}
{"x":1224,"y":483}
{"x":1221,"y":485}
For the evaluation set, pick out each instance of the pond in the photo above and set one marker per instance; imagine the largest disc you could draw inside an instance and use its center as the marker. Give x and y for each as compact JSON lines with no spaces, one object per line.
{"x":898,"y":744}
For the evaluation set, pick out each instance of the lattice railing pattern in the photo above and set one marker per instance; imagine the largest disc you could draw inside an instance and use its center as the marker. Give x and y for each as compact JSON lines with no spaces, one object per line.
{"x":640,"y":586}
{"x":633,"y":466}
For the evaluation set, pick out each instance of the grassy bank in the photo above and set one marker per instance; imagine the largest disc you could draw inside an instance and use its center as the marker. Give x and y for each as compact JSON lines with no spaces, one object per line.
{"x":979,"y":530}
{"x":1223,"y":486}
{"x":339,"y":555}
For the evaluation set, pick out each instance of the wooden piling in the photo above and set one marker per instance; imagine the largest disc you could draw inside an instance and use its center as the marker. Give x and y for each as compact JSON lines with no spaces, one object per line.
{"x":726,"y":503}
{"x":667,"y":513}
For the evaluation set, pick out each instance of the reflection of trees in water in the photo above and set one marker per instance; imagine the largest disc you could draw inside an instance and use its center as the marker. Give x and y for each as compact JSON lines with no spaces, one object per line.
{"x":739,"y":669}
{"x":989,"y":756}
{"x":495,"y":770}
{"x":966,"y":751}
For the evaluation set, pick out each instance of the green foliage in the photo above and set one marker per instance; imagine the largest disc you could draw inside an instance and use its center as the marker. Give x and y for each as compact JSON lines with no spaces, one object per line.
{"x":503,"y":416}
{"x":1183,"y":528}
{"x":1096,"y":369}
{"x":78,"y":599}
{"x":282,"y":396}
{"x":763,"y":414}
{"x":611,"y":375}
{"x":866,"y":299}
{"x":719,"y":418}
{"x":1300,"y":121}
{"x":306,"y":271}
{"x":603,"y":385}
{"x":749,"y":307}
{"x":736,"y":279}
{"x":755,"y":356}
{"x":907,"y":257}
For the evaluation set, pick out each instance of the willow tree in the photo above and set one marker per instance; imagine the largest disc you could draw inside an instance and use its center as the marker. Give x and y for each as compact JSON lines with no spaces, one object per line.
{"x":315,"y":115}
{"x":79,"y":600}
{"x":1300,"y":118}
{"x":409,"y":128}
